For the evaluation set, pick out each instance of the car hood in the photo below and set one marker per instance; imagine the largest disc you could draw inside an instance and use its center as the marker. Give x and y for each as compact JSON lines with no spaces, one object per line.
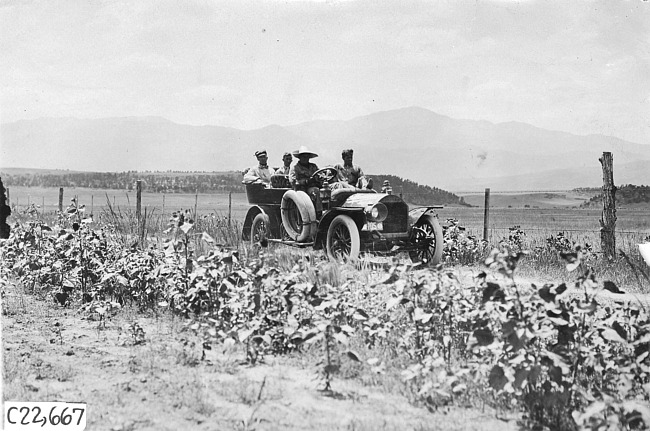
{"x":364,"y":200}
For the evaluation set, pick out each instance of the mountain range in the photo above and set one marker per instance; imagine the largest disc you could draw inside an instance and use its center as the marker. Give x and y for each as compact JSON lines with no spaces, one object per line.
{"x":413,"y":143}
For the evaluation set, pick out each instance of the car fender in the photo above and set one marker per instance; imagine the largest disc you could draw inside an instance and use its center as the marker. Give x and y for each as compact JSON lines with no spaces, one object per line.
{"x":253,"y":211}
{"x":356,"y":214}
{"x":417,"y":213}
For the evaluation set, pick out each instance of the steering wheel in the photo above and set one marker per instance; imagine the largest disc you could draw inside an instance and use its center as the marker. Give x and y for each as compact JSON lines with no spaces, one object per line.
{"x":322,"y":175}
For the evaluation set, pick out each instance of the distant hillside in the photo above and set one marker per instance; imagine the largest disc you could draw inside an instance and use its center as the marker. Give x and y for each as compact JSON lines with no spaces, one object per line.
{"x":629,"y":195}
{"x":415,"y":143}
{"x":417,"y":194}
{"x":202,"y":182}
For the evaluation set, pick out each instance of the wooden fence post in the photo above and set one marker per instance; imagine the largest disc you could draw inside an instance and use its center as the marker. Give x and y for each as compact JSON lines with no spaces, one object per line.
{"x":486,"y":214}
{"x":608,"y":218}
{"x":229,"y":207}
{"x":138,"y":200}
{"x":196,"y":205}
{"x":60,"y":199}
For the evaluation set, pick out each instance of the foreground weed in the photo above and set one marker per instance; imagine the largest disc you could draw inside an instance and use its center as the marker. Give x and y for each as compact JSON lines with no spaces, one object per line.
{"x":137,"y":333}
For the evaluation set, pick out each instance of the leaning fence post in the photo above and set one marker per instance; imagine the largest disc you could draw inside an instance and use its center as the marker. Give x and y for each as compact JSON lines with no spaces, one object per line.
{"x":608,"y":218}
{"x":60,"y":199}
{"x":486,"y":214}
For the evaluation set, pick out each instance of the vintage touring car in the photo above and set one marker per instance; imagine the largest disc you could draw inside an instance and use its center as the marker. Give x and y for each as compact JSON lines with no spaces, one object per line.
{"x":351,"y":220}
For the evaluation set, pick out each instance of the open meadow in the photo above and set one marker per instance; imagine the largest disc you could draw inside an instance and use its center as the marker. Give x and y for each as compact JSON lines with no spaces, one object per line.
{"x":539,"y":215}
{"x":96,"y":200}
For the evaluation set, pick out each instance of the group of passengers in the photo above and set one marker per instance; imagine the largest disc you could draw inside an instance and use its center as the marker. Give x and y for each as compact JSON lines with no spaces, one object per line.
{"x":298,"y":174}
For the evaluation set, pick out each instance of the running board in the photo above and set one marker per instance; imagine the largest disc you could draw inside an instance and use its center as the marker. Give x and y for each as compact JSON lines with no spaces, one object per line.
{"x":292,"y":243}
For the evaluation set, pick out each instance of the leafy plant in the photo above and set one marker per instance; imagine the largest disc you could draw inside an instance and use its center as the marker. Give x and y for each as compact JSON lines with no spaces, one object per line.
{"x":460,"y":247}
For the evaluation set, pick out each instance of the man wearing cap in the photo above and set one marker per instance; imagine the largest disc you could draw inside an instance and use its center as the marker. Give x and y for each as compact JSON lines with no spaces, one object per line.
{"x":260,"y":174}
{"x":352,"y":173}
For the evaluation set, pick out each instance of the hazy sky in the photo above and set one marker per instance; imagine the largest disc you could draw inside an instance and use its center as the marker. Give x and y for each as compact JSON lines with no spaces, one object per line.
{"x":576,"y":66}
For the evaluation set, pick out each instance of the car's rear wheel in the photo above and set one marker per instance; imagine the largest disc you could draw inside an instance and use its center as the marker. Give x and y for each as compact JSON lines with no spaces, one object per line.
{"x":343,"y":241}
{"x":260,"y":228}
{"x":426,"y":236}
{"x":298,"y":215}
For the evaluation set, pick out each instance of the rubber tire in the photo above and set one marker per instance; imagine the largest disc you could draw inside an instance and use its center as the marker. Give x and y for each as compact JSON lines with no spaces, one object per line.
{"x":432,"y":226}
{"x":340,"y":224}
{"x":260,"y":219}
{"x":307,"y":212}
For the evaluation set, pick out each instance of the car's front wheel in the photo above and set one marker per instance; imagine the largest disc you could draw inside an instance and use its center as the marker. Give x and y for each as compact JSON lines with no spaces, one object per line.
{"x":426,"y":237}
{"x":343,"y":241}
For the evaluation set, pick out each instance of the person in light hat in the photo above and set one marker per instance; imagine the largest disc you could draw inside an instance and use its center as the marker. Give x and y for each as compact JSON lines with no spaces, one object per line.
{"x":351,"y":173}
{"x":301,"y":172}
{"x":260,"y":174}
{"x":386,"y":188}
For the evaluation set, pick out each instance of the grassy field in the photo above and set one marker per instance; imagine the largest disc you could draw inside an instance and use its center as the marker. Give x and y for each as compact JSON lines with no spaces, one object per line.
{"x":581,"y":225}
{"x":519,"y":200}
{"x":96,"y":200}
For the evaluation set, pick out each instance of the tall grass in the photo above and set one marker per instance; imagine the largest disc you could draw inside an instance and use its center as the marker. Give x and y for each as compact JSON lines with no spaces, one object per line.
{"x":126,"y":224}
{"x":545,"y":263}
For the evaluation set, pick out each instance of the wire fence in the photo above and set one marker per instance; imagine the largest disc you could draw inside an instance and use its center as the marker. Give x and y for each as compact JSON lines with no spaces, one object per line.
{"x":633,"y":224}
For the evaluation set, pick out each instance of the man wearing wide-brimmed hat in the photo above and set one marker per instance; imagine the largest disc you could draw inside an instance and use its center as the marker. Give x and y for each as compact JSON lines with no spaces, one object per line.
{"x":260,"y":174}
{"x":300,"y":172}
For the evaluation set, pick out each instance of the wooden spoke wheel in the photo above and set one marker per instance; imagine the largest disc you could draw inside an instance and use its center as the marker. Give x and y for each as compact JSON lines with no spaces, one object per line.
{"x":427,"y":237}
{"x":343,"y":241}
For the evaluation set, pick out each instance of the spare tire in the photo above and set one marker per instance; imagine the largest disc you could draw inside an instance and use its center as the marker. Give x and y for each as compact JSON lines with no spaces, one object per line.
{"x":298,"y":215}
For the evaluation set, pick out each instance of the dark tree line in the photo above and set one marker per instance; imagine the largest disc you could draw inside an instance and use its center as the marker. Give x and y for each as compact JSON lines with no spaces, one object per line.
{"x":625,"y":195}
{"x":417,"y":194}
{"x":155,"y":182}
